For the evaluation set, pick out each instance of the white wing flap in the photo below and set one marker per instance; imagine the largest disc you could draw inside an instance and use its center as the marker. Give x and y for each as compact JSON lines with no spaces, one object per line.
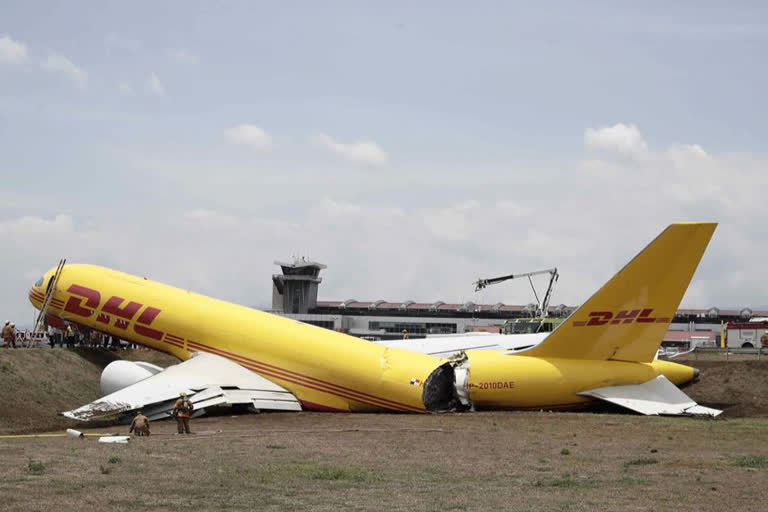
{"x":655,"y":397}
{"x":207,"y":379}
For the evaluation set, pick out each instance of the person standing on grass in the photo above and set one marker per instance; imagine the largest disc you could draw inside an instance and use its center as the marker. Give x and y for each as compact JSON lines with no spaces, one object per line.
{"x":6,"y":333}
{"x":12,"y":334}
{"x":70,"y":336}
{"x":140,"y":425}
{"x":182,"y":411}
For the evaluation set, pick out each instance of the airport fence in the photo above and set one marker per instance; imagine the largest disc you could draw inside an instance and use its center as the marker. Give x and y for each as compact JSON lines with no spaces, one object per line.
{"x":727,"y":354}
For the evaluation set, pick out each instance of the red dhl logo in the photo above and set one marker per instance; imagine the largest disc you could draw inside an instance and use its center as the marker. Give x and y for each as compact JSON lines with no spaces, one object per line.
{"x":640,"y":316}
{"x":85,"y":302}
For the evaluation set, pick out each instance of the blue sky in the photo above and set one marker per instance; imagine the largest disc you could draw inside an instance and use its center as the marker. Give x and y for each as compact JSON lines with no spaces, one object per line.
{"x":411,"y":147}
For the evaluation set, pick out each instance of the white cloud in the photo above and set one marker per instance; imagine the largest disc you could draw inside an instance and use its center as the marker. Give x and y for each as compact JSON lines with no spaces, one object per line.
{"x":210,"y":218}
{"x":154,"y":85}
{"x":333,"y":208}
{"x":36,"y":228}
{"x":397,"y":235}
{"x":250,"y":135}
{"x":684,"y":154}
{"x":12,"y":52}
{"x":61,"y":64}
{"x":181,"y":56}
{"x":451,"y":223}
{"x":620,"y":138}
{"x":125,"y":88}
{"x":122,"y":43}
{"x":363,"y":151}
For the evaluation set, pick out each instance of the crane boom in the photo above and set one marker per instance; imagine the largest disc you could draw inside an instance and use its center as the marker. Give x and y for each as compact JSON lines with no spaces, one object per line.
{"x":482,"y":283}
{"x":544,"y":305}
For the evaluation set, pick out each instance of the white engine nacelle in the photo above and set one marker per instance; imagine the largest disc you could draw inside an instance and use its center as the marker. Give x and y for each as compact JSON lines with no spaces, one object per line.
{"x":121,"y":374}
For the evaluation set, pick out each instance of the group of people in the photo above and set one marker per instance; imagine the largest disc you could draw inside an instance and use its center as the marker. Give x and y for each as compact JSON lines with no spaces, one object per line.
{"x":182,"y":411}
{"x":71,"y":337}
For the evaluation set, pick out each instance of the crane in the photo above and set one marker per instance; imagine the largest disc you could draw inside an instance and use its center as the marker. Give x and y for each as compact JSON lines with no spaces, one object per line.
{"x":543,"y":306}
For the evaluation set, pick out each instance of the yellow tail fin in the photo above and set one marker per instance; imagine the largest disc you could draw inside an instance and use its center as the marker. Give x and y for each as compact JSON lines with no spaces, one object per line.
{"x":628,"y":317}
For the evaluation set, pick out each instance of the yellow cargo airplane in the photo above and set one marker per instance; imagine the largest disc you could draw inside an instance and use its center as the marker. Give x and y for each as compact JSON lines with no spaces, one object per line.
{"x":234,"y":354}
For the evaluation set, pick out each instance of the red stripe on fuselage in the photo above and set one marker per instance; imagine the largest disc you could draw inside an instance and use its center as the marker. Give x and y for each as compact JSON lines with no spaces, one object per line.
{"x":312,"y":406}
{"x":302,"y":382}
{"x":328,"y":385}
{"x":318,"y":381}
{"x":305,"y":380}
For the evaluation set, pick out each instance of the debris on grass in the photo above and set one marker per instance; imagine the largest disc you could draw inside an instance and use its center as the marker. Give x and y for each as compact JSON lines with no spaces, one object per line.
{"x":641,"y":462}
{"x":35,"y":467}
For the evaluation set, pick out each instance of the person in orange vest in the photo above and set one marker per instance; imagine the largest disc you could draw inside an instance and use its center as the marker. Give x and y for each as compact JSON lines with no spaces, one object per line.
{"x":182,"y":411}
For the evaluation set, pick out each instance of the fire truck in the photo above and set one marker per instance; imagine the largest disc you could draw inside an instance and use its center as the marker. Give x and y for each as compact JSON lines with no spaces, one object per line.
{"x":746,"y":334}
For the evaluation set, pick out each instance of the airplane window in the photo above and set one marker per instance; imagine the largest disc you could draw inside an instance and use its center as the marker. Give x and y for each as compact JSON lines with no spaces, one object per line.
{"x":39,"y":282}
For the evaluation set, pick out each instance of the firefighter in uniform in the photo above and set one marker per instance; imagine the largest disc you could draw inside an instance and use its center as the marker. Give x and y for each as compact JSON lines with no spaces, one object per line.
{"x":140,"y":425}
{"x":6,"y":331}
{"x":182,"y":411}
{"x":9,"y":334}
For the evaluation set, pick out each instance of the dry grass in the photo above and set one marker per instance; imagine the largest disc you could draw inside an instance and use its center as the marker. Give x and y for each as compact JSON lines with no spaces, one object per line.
{"x":313,"y":461}
{"x":483,"y":461}
{"x":39,"y":383}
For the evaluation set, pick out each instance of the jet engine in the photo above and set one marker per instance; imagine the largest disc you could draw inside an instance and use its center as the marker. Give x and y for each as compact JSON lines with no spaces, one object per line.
{"x":120,"y":374}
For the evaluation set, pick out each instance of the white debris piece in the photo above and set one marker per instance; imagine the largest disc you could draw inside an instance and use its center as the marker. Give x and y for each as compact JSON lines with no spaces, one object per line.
{"x":115,"y":439}
{"x":207,"y":379}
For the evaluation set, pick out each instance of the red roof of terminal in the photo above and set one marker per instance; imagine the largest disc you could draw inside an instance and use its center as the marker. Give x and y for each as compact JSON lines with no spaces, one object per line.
{"x":408,"y":305}
{"x":358,"y":304}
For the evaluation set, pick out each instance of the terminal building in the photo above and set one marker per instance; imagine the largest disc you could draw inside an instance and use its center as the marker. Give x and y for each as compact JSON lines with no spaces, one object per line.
{"x":295,"y":292}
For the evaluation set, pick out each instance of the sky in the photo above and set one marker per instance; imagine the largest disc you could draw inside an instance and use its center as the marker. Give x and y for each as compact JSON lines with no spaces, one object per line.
{"x":413,"y":147}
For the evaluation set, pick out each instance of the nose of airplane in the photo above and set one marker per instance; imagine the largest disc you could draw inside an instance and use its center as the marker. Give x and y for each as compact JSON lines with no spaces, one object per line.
{"x":37,"y":292}
{"x":695,"y":374}
{"x":36,"y":296}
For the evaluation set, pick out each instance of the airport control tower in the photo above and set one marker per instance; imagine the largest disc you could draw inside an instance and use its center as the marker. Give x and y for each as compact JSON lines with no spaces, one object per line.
{"x":295,"y":291}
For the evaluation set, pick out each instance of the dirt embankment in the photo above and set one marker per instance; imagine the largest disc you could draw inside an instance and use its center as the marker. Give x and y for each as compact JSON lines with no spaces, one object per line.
{"x":740,"y":388}
{"x":37,"y":384}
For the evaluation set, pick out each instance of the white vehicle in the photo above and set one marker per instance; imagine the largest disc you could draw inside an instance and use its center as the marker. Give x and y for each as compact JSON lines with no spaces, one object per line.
{"x":29,"y":338}
{"x":745,"y":334}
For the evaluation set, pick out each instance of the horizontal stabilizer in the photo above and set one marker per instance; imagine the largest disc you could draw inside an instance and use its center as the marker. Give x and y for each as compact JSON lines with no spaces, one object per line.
{"x":655,"y":397}
{"x":207,"y":379}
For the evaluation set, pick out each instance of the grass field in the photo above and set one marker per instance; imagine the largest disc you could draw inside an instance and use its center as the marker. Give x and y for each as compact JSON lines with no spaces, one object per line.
{"x":482,"y":461}
{"x":523,"y":461}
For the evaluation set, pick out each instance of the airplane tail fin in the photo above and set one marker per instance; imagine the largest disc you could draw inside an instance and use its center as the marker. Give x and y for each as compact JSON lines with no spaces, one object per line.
{"x":627,"y":318}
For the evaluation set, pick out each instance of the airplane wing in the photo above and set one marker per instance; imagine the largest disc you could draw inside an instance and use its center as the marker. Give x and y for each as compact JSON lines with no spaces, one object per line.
{"x":450,"y":345}
{"x":654,"y":397}
{"x":207,"y":379}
